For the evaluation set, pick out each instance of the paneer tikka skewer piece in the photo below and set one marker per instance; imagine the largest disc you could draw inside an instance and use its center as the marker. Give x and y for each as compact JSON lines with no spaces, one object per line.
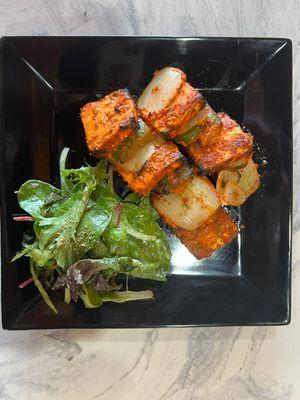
{"x":185,"y":200}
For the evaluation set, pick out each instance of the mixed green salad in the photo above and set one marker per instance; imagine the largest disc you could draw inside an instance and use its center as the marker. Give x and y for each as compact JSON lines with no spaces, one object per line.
{"x":86,"y":235}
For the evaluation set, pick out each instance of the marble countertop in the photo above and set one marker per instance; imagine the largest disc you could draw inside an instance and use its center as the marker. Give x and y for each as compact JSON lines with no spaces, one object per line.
{"x":229,"y":363}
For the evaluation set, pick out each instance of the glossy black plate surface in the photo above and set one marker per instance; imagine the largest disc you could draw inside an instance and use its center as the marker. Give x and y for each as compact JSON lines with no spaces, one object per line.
{"x":45,"y":81}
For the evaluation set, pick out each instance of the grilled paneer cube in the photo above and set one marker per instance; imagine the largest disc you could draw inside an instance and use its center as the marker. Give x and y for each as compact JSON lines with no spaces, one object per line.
{"x":234,"y":187}
{"x":231,"y":151}
{"x":214,"y":233}
{"x":188,"y":205}
{"x":144,"y":159}
{"x":108,"y":121}
{"x":169,"y":102}
{"x":164,"y":159}
{"x":113,"y":131}
{"x":205,"y":127}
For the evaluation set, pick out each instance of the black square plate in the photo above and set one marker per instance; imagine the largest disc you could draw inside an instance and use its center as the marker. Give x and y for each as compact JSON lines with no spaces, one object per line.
{"x":45,"y":81}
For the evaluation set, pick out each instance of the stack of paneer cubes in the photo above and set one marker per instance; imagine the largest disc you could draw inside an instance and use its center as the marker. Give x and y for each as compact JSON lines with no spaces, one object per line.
{"x":145,"y":143}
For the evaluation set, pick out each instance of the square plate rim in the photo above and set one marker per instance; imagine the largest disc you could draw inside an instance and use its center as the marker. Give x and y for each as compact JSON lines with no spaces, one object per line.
{"x":170,"y":37}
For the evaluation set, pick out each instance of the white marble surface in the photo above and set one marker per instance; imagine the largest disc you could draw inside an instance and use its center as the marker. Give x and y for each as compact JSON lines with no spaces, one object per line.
{"x":209,"y":363}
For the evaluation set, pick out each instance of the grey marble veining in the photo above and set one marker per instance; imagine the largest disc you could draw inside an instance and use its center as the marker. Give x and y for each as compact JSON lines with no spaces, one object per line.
{"x":210,"y":363}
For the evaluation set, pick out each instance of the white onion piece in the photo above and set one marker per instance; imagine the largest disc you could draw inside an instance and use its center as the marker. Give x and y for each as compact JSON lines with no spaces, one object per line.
{"x":249,"y":180}
{"x":233,"y":194}
{"x":161,"y":90}
{"x":234,"y":187}
{"x":142,"y":154}
{"x":239,"y":163}
{"x":224,"y":177}
{"x":188,"y":209}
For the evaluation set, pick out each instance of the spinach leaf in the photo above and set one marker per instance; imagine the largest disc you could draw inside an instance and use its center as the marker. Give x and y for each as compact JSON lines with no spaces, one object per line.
{"x":115,"y":240}
{"x":133,"y":198}
{"x":146,"y":206}
{"x":59,"y":231}
{"x":139,"y":237}
{"x":154,"y":253}
{"x":33,"y":194}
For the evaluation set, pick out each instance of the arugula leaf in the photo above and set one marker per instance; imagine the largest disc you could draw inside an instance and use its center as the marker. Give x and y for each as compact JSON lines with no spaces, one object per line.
{"x":87,"y":174}
{"x":41,"y":288}
{"x":66,"y":186}
{"x":27,"y":248}
{"x":74,"y":230}
{"x":94,"y":299}
{"x":127,"y":295}
{"x":59,"y":231}
{"x":96,"y":177}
